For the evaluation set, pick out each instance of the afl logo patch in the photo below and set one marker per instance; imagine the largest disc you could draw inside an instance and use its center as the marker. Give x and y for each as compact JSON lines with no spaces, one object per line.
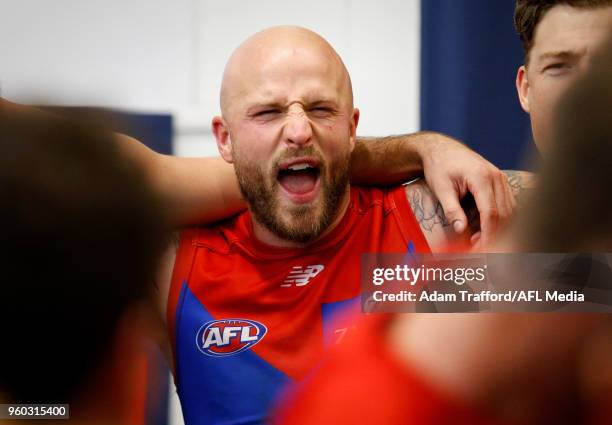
{"x":225,"y":337}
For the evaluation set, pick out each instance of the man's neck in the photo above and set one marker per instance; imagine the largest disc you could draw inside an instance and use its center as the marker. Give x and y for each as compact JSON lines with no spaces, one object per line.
{"x":266,"y":236}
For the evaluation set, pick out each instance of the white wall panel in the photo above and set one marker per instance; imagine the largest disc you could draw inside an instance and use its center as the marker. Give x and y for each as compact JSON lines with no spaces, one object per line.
{"x":385,"y":50}
{"x":133,"y":54}
{"x":156,"y":55}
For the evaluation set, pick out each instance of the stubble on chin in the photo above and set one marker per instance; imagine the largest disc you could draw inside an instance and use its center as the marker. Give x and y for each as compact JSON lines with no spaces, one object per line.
{"x":295,"y":223}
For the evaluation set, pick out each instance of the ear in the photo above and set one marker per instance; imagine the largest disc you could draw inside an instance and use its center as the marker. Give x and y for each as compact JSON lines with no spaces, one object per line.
{"x":224,"y":142}
{"x":522,"y":87}
{"x":353,"y":129}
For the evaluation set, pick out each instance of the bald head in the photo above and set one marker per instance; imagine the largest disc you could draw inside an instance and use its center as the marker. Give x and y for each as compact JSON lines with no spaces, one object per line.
{"x":284,"y":55}
{"x":286,"y":97}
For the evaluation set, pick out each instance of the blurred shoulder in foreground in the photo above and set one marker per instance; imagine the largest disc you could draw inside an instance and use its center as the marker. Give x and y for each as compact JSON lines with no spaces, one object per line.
{"x":81,"y":236}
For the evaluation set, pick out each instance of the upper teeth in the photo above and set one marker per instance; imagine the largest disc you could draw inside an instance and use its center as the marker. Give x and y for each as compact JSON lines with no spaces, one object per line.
{"x":298,"y":167}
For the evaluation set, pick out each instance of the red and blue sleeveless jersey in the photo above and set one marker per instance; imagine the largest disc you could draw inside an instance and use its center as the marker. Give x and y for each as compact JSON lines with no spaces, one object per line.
{"x":245,"y":318}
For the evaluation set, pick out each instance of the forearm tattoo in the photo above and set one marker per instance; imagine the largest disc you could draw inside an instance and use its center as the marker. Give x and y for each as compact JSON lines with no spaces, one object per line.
{"x":520,"y":182}
{"x":429,"y":212}
{"x":515,"y":181}
{"x":426,"y":207}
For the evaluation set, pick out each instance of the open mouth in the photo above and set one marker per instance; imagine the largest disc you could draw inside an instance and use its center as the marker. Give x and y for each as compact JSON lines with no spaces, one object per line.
{"x":299,"y":178}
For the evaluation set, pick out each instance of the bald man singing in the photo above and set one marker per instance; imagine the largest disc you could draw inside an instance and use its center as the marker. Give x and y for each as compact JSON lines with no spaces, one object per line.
{"x":252,"y":300}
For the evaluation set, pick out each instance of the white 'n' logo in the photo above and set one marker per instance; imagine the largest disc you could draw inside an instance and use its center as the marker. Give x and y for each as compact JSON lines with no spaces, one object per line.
{"x":302,"y":275}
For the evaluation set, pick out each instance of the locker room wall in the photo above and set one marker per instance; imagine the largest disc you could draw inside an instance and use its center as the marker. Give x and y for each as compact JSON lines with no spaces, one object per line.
{"x":167,"y":57}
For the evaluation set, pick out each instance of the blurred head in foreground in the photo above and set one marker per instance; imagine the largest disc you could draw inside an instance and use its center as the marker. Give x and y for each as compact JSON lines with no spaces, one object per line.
{"x":80,"y":240}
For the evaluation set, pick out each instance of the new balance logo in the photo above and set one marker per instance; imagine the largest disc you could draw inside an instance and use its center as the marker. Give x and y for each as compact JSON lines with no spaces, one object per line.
{"x":300,"y":276}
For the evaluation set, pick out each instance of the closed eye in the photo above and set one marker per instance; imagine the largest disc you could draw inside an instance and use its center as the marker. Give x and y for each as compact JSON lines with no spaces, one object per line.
{"x":267,"y":113}
{"x":321,"y":111}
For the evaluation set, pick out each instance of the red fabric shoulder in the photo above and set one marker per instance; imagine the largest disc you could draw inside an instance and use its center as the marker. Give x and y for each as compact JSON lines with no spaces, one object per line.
{"x":410,"y":228}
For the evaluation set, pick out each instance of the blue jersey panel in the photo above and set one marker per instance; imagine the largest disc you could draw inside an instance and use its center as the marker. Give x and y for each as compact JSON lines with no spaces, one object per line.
{"x":234,"y":389}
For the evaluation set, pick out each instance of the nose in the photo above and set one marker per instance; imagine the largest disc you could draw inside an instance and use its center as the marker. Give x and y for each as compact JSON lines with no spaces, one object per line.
{"x":298,"y":130}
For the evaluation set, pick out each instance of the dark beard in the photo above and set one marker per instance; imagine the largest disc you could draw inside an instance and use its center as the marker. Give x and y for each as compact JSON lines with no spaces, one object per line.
{"x":306,"y":223}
